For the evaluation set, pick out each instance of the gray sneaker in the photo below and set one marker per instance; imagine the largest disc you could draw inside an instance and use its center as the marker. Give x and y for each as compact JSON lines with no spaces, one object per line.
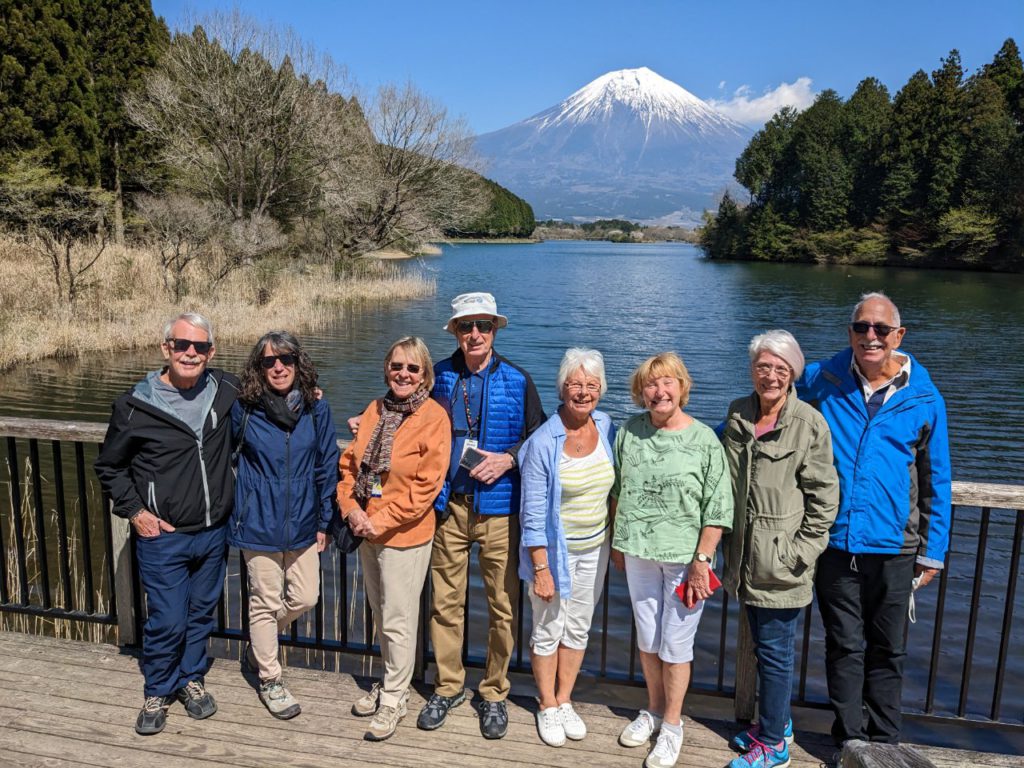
{"x":276,"y":698}
{"x":385,"y":721}
{"x":366,"y":705}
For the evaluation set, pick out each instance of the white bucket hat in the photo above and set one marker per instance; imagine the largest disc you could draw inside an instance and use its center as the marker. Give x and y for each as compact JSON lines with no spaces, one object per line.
{"x":466,"y":304}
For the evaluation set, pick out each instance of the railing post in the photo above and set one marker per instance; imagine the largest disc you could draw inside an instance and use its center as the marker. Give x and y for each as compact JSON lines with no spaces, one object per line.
{"x":746,"y":670}
{"x":124,"y":579}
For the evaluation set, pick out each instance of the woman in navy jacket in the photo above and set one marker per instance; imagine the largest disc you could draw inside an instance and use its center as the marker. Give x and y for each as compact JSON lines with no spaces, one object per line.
{"x":287,"y":473}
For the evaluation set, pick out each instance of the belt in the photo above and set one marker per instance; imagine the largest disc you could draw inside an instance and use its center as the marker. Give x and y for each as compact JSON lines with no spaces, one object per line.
{"x":465,"y":498}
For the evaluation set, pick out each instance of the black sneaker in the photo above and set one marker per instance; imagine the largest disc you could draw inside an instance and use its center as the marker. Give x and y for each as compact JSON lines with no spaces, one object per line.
{"x":197,"y":700}
{"x":433,"y":715}
{"x":493,"y":719}
{"x":153,"y":715}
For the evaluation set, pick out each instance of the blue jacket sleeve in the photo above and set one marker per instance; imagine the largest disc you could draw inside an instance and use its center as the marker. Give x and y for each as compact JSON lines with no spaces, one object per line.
{"x":327,"y":462}
{"x":934,"y":477}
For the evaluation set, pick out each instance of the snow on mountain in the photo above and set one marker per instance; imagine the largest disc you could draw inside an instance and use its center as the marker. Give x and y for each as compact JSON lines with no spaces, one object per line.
{"x":629,"y":144}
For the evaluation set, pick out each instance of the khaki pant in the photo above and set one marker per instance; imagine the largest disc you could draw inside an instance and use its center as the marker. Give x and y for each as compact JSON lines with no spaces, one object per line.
{"x":393,"y":577}
{"x":282,"y":587}
{"x":498,"y":537}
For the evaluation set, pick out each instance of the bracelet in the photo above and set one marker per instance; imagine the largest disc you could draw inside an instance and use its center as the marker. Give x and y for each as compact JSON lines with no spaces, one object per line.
{"x":133,"y":517}
{"x":539,"y":568}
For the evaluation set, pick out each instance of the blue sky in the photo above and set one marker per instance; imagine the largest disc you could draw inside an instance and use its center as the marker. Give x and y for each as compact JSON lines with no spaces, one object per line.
{"x":496,"y":63}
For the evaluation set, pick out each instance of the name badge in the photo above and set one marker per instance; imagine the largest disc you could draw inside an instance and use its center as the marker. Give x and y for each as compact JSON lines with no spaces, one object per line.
{"x":378,"y":488}
{"x":470,"y":443}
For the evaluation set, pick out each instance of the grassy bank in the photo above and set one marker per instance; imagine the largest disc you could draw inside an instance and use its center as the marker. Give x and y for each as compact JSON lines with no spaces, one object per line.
{"x":125,"y":302}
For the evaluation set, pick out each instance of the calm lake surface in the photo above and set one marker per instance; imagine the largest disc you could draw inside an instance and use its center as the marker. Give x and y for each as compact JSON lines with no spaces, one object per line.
{"x":631,"y":301}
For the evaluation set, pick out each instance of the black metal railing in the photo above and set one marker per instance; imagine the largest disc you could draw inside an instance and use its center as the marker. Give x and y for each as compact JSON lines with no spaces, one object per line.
{"x":68,"y":565}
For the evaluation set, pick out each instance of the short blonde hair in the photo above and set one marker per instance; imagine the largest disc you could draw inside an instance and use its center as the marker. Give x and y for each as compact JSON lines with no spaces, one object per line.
{"x":663,"y":364}
{"x":416,"y":349}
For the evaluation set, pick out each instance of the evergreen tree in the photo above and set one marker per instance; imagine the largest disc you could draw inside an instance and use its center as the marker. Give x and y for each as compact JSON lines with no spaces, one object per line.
{"x":867,"y":120}
{"x":945,"y":127}
{"x":825,"y":181}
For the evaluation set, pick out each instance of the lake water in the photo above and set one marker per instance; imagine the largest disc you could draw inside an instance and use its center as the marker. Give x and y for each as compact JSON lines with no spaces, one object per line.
{"x":631,"y":301}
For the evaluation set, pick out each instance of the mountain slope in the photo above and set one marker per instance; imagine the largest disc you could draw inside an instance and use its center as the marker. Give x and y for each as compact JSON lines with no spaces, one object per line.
{"x":630,"y":144}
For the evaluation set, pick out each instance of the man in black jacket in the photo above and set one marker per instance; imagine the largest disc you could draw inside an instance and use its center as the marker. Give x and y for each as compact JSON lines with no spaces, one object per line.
{"x":166,"y":463}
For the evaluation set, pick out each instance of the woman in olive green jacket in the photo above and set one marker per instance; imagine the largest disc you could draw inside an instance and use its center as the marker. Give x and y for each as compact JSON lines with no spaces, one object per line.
{"x":786,"y":493}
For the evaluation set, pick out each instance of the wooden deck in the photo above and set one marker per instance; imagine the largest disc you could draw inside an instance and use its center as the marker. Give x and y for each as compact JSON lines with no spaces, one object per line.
{"x":68,"y":703}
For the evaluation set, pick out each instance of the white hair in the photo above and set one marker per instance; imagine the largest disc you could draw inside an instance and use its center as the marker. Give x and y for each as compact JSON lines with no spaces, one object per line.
{"x":877,"y":295}
{"x":192,"y":318}
{"x":575,"y":358}
{"x":781,"y":344}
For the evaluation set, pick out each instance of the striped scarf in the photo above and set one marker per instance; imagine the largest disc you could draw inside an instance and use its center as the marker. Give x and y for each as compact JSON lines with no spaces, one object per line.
{"x":377,"y":456}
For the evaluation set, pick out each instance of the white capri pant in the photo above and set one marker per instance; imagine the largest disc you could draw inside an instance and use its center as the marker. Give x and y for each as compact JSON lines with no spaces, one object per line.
{"x":566,"y":620}
{"x":664,"y":625}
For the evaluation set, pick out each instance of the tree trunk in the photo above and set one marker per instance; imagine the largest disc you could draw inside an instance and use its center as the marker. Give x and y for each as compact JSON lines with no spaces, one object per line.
{"x":118,"y":197}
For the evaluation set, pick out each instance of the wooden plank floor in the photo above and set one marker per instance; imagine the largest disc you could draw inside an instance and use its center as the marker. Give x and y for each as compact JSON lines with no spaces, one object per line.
{"x":67,"y":703}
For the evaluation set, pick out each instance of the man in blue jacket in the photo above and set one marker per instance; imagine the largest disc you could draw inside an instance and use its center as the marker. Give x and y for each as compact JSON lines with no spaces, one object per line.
{"x":891,"y":450}
{"x":494,"y":407}
{"x":166,"y":464}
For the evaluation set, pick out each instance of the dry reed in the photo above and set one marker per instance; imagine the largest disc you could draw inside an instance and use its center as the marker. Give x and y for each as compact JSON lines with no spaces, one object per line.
{"x":125,"y":302}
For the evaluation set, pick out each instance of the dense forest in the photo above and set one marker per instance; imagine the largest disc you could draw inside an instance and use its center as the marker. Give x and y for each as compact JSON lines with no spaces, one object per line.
{"x":507,"y":216}
{"x":933,"y":177}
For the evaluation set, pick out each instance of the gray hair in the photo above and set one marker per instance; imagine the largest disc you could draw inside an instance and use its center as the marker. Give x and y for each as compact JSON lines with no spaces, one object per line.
{"x":590,"y":360}
{"x":866,"y":297}
{"x":781,"y":344}
{"x":192,"y":318}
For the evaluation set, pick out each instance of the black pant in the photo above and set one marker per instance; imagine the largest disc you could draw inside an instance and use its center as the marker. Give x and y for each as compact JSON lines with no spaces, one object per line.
{"x":863,"y":601}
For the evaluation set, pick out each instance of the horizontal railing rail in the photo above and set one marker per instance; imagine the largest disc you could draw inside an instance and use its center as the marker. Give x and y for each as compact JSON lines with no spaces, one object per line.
{"x":68,"y":565}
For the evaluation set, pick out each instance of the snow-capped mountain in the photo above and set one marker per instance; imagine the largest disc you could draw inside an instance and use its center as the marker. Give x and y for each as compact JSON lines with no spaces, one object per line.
{"x":630,"y":144}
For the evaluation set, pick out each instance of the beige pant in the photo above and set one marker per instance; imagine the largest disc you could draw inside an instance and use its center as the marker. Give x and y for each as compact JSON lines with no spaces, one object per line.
{"x":393,"y":577}
{"x":498,"y":537}
{"x":282,"y":587}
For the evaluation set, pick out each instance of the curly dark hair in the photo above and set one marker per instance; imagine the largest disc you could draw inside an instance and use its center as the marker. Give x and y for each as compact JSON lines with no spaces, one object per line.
{"x":254,"y":380}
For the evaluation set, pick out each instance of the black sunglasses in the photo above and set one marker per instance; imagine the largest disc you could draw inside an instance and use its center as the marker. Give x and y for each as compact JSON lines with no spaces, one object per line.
{"x":466,"y":326}
{"x":269,"y":361}
{"x":182,"y":345}
{"x":881,"y":329}
{"x":410,"y":367}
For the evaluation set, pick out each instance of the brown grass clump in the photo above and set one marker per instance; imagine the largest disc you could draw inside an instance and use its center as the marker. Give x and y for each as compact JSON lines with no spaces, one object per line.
{"x":125,"y":300}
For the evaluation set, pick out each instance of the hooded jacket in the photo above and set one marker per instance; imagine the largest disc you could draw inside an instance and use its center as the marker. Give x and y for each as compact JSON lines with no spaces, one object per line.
{"x":152,"y":460}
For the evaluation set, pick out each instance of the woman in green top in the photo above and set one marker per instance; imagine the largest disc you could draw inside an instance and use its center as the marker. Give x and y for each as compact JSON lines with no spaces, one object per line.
{"x":673,"y":500}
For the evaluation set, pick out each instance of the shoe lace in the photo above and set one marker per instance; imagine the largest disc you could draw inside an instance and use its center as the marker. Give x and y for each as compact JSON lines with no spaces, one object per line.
{"x":490,"y":710}
{"x":550,"y":717}
{"x":274,"y":690}
{"x":436,"y":705}
{"x":756,"y":755}
{"x":154,"y":703}
{"x":643,"y":722}
{"x":665,"y":746}
{"x":386,"y":713}
{"x":194,"y":690}
{"x":569,"y":715}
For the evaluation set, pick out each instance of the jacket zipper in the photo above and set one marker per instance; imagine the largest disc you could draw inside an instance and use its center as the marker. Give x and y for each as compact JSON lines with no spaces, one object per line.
{"x":206,"y":482}
{"x":152,"y":498}
{"x":288,"y":487}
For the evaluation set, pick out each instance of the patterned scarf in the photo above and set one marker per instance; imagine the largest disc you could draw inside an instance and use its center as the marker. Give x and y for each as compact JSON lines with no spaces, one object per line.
{"x":377,"y":456}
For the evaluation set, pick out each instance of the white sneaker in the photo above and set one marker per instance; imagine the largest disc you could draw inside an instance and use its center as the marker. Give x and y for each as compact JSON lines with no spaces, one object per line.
{"x":549,"y":726}
{"x":639,"y":732}
{"x":574,"y":726}
{"x":666,"y":751}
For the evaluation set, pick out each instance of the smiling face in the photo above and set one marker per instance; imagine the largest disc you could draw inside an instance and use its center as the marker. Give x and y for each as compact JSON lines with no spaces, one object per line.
{"x":872,"y":351}
{"x":475,"y":345}
{"x":772,"y":377}
{"x":280,"y":377}
{"x":401,"y":381}
{"x":662,"y":397}
{"x":581,"y":393}
{"x":185,"y":368}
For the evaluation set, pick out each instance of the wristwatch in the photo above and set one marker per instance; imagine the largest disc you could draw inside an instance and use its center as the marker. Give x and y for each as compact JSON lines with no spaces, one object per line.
{"x":700,"y":557}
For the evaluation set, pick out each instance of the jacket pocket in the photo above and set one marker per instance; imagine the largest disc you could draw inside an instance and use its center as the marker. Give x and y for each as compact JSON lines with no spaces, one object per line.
{"x":770,"y":561}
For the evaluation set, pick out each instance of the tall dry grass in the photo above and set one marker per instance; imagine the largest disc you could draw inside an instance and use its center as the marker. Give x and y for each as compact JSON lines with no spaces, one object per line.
{"x":125,"y":304}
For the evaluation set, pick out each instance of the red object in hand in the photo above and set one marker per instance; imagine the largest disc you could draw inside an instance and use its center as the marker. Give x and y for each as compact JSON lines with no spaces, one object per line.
{"x":713,"y":582}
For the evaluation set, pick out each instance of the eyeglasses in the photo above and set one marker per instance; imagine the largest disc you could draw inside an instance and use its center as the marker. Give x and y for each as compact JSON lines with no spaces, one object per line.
{"x":881,"y":329}
{"x":182,"y":345}
{"x":574,"y":388}
{"x":764,"y":369}
{"x":412,"y":368}
{"x":466,"y":326}
{"x":270,"y":361}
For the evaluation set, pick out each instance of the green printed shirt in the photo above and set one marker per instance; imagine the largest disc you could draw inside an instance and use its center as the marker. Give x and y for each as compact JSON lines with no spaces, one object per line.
{"x":669,"y":484}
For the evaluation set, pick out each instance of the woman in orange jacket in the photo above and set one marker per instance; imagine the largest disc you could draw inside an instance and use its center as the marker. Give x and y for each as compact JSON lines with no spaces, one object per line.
{"x":390,"y":475}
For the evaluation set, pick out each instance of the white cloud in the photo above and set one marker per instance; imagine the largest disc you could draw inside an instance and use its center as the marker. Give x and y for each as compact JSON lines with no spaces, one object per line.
{"x":756,"y":111}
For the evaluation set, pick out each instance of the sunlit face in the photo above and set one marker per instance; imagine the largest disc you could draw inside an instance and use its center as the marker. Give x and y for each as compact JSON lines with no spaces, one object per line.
{"x":474,"y":343}
{"x":280,"y":377}
{"x":185,"y":368}
{"x":401,"y":380}
{"x":772,"y":377}
{"x":581,"y":393}
{"x":871,"y":350}
{"x":662,"y":395}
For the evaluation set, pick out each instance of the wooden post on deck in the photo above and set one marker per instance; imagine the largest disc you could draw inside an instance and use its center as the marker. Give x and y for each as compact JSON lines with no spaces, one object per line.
{"x":746,"y":671}
{"x":124,"y":580}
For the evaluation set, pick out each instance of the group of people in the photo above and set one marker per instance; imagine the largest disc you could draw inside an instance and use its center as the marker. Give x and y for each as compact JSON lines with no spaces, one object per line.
{"x":832,"y":477}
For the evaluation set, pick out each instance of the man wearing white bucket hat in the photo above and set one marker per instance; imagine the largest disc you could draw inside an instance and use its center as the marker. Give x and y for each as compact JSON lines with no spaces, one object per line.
{"x":494,"y":407}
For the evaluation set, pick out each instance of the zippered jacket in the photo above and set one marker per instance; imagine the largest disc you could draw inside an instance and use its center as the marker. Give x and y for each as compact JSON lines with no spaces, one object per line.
{"x":894,"y":470}
{"x":286,"y":480}
{"x":786,"y":495}
{"x":510,"y":412}
{"x":152,"y":460}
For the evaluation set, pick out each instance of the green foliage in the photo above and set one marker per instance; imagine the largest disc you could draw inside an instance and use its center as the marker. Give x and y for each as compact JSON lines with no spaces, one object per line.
{"x":507,"y":215}
{"x":929,"y":178}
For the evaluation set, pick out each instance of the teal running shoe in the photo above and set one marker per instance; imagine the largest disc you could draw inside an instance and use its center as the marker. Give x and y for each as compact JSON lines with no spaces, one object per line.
{"x":763,"y":756}
{"x":745,"y":741}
